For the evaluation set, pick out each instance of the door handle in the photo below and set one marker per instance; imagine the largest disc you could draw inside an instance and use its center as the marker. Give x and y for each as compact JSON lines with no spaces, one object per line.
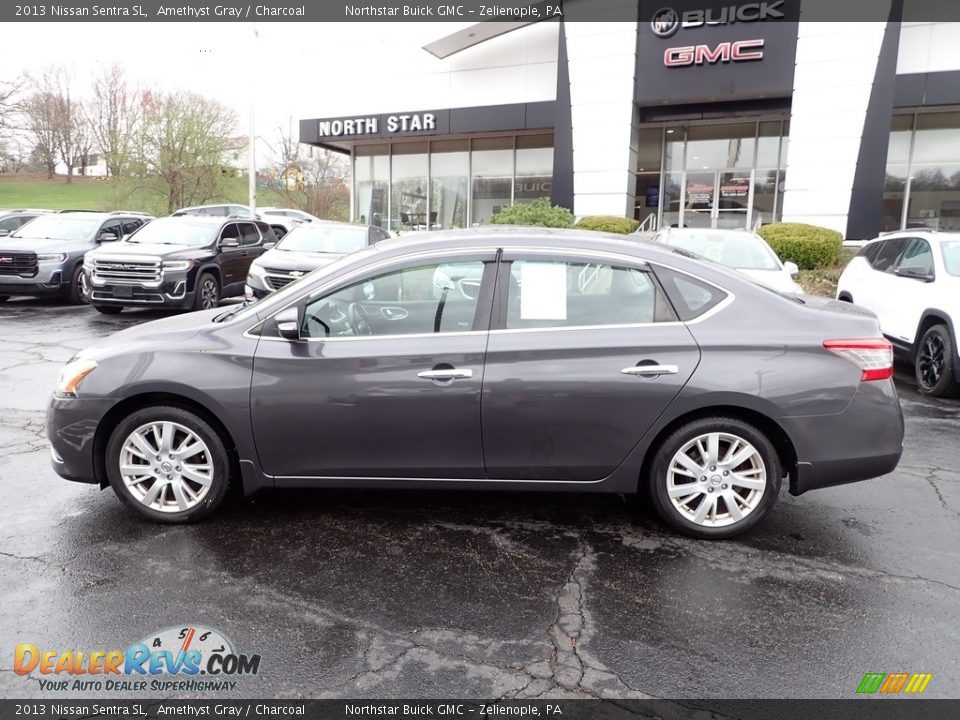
{"x":653,"y":370}
{"x":449,"y":374}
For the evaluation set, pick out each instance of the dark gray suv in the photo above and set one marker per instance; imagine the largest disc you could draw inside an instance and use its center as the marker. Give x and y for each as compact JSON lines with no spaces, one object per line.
{"x":582,"y":362}
{"x":45,"y":256}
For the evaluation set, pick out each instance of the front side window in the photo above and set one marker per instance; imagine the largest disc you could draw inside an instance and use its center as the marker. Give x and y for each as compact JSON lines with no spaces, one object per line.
{"x":558,"y":293}
{"x":951,"y":257}
{"x":249,"y":234}
{"x":425,"y":299}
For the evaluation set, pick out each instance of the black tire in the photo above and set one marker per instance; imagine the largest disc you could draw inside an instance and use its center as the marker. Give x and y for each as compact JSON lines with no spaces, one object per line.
{"x":934,"y":364}
{"x":76,"y":293}
{"x":658,"y":479}
{"x":109,"y":309}
{"x":206,"y":283}
{"x":845,"y":297}
{"x":217,"y":457}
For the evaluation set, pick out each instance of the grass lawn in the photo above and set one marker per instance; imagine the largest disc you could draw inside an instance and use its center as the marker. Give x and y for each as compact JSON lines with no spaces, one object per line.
{"x":35,"y":191}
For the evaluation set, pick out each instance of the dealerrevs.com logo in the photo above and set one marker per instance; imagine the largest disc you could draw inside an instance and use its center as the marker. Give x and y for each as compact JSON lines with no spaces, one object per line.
{"x":666,"y":21}
{"x":185,"y":658}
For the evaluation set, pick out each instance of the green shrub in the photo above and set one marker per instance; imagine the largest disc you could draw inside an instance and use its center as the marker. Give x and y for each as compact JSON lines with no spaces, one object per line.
{"x":608,"y":223}
{"x":809,"y":246}
{"x":540,"y":213}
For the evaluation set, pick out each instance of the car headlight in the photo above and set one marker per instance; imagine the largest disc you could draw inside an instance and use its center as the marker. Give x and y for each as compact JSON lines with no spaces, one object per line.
{"x":257,"y":271}
{"x":177,"y":265}
{"x":73,"y":374}
{"x":51,"y":257}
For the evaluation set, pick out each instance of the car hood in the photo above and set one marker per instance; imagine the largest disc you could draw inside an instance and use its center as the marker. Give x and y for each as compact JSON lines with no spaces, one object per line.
{"x":163,"y":333}
{"x":285,"y":260}
{"x":40,"y":245}
{"x":777,"y":279}
{"x":127,"y":249}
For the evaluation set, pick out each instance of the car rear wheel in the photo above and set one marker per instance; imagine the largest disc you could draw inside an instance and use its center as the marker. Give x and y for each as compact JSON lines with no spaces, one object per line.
{"x":208,"y":293}
{"x":715,"y":477}
{"x":168,"y":464}
{"x":934,"y":364}
{"x":78,"y":293}
{"x":109,"y":309}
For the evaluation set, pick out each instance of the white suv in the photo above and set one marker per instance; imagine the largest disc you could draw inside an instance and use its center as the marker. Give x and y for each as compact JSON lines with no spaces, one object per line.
{"x":911,"y":280}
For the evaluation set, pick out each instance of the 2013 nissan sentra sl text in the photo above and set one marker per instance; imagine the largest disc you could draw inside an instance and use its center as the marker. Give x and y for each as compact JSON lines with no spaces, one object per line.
{"x":571,"y":362}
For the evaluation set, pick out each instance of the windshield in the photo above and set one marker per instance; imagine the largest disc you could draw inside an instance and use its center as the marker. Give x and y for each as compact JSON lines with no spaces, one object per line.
{"x":177,"y":231}
{"x":742,"y":251}
{"x":58,"y":228}
{"x":339,"y":239}
{"x":951,"y":257}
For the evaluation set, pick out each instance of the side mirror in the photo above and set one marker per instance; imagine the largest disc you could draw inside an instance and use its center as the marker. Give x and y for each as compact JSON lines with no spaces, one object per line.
{"x":229,"y":243}
{"x":4,"y":233}
{"x":107,"y":237}
{"x":288,"y":323}
{"x":914,"y":273}
{"x":791,"y":268}
{"x":269,"y":245}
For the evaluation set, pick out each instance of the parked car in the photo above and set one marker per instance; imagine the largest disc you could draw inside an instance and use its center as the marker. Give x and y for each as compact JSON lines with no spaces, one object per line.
{"x":584,"y":363}
{"x":307,"y":248}
{"x":269,"y":213}
{"x":217,"y":210}
{"x":281,"y":225}
{"x":188,"y":261}
{"x":744,"y":251}
{"x":911,"y":280}
{"x":12,"y":221}
{"x":45,"y":256}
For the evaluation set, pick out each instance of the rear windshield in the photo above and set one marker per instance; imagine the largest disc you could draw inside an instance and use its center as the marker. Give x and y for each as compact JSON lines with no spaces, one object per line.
{"x":743,"y":251}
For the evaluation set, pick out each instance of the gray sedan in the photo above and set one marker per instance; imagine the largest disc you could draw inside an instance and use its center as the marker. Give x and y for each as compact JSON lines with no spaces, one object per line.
{"x":582,"y":362}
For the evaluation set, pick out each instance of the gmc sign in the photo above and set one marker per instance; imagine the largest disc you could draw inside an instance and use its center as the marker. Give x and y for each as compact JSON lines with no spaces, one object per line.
{"x":725,"y":52}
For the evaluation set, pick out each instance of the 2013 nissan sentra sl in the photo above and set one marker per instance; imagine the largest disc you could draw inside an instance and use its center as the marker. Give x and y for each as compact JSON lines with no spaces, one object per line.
{"x":577,"y":362}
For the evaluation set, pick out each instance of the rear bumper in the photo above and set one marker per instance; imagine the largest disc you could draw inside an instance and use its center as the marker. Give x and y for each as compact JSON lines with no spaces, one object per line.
{"x":864,"y":441}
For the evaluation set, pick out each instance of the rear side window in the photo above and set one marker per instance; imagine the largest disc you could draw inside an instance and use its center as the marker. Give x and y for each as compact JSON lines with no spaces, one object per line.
{"x":249,"y":235}
{"x":888,"y":253}
{"x":691,"y":297}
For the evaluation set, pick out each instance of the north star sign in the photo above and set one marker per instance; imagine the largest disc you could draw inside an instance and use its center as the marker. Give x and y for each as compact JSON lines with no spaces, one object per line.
{"x":412,"y":122}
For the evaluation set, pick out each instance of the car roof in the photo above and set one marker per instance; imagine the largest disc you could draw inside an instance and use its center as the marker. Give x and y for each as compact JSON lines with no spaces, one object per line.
{"x":510,"y":236}
{"x":925,"y":233}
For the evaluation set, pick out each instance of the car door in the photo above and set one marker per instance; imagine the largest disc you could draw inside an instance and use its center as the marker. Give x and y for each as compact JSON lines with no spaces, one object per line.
{"x":385,"y":381}
{"x":231,"y":258}
{"x":911,"y":285}
{"x":873,"y":292}
{"x":565,"y":393}
{"x":251,"y":245}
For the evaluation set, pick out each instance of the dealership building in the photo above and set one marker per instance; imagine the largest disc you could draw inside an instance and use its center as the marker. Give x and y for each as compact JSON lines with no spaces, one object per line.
{"x":730,"y":117}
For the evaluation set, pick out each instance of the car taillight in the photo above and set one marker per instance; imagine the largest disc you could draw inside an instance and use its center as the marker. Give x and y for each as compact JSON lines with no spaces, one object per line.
{"x":873,"y":356}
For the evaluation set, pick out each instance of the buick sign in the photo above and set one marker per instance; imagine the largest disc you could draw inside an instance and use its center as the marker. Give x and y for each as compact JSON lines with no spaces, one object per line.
{"x":667,"y":21}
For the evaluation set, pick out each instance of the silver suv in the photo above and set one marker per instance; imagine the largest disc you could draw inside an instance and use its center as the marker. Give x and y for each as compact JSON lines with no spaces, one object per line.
{"x":45,"y":256}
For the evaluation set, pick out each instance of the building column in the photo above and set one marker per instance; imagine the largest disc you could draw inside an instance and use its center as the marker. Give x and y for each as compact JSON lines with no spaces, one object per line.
{"x":601,"y":63}
{"x":833,"y":83}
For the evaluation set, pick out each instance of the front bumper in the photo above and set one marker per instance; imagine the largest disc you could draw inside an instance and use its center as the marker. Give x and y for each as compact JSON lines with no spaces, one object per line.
{"x":71,"y":429}
{"x":864,"y":441}
{"x":49,"y":280}
{"x":172,"y":291}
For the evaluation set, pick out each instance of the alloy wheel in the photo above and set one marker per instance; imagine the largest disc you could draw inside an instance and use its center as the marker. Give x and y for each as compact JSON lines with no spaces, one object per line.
{"x":83,"y":289}
{"x":931,"y":360}
{"x":209,"y":294}
{"x":716,"y":479}
{"x":166,"y":466}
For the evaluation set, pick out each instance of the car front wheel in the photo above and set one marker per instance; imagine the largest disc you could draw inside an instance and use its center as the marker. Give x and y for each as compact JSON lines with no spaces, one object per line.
{"x":168,"y":464}
{"x":208,"y":293}
{"x":78,"y":293}
{"x":715,"y":477}
{"x":934,"y":364}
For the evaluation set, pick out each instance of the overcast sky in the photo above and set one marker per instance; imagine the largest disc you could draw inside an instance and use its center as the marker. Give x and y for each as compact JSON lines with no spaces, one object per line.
{"x":292,"y":65}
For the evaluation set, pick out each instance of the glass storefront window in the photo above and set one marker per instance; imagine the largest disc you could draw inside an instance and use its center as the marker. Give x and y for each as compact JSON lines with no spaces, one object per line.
{"x":408,"y":189}
{"x":492,"y":184}
{"x":449,"y":171}
{"x":649,"y":152}
{"x":923,"y":172}
{"x":534,"y":173}
{"x":371,"y":172}
{"x":717,"y":147}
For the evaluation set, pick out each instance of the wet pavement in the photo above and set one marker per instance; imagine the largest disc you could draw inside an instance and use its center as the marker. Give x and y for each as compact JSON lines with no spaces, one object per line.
{"x":406,"y":594}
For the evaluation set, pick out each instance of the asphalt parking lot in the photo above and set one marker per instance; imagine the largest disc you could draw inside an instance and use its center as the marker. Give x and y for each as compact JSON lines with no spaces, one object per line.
{"x":413,"y":594}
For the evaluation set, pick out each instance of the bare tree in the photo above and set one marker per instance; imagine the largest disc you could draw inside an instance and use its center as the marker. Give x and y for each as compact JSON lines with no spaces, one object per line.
{"x":10,"y":91}
{"x":40,"y":117}
{"x":114,"y":113}
{"x":180,"y":148}
{"x":313,"y":179}
{"x":55,"y":121}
